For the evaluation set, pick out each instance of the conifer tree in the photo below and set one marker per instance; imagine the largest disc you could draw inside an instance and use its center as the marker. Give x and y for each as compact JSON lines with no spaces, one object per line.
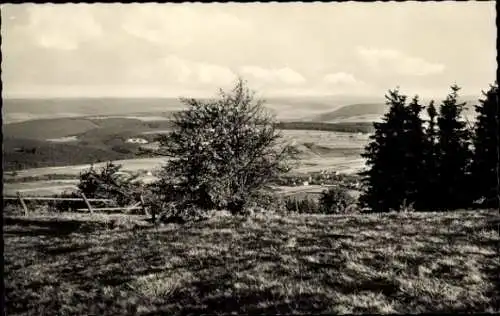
{"x":385,"y":181}
{"x":430,"y":170}
{"x":431,"y":130}
{"x":485,"y":173}
{"x":453,"y":154}
{"x":415,"y":154}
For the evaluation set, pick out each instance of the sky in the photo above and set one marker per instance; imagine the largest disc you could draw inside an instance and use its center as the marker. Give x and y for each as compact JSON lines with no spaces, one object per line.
{"x":280,"y":49}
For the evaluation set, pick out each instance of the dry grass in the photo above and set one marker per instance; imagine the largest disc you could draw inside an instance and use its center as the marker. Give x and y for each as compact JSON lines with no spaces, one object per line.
{"x":394,"y":263}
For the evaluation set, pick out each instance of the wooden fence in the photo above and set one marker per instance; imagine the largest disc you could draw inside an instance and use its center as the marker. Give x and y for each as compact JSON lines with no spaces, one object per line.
{"x":139,"y":205}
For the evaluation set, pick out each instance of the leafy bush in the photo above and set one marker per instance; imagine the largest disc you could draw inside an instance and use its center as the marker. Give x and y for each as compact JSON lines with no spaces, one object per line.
{"x":302,"y":206}
{"x":337,"y":200}
{"x":267,"y":202}
{"x":224,"y":153}
{"x":166,"y":201}
{"x":110,"y":183}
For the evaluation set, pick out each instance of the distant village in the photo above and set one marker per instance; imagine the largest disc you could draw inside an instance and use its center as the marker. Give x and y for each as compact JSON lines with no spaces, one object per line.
{"x":323,"y":177}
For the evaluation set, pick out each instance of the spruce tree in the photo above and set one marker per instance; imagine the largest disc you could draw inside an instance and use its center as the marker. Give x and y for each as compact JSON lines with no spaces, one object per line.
{"x":430,"y":169}
{"x":485,"y":173}
{"x":431,"y":130}
{"x":415,"y":154}
{"x":453,"y":154}
{"x":385,"y":181}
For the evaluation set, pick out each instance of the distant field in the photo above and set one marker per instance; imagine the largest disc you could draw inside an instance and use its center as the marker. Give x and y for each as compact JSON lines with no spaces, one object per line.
{"x":329,"y":139}
{"x":319,"y":150}
{"x":67,"y":141}
{"x":128,"y":165}
{"x":72,"y":264}
{"x":348,"y":164}
{"x":353,"y":126}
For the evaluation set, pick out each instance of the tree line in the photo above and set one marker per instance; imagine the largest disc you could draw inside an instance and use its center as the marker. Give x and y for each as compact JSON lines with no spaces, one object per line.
{"x":438,"y":163}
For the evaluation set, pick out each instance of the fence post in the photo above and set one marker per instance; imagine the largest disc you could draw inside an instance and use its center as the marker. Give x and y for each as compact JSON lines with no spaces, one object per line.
{"x":87,"y":202}
{"x":22,"y":203}
{"x":143,"y":204}
{"x":141,"y":199}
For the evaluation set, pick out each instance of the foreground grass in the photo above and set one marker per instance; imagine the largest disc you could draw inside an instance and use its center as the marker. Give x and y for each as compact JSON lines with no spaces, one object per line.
{"x":399,"y":263}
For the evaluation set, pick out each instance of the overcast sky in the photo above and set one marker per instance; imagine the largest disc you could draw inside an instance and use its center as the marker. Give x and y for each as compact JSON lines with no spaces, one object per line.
{"x":281,"y":49}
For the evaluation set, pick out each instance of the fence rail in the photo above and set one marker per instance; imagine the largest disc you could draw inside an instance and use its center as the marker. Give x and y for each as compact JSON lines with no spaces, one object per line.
{"x":137,"y":206}
{"x":41,"y":198}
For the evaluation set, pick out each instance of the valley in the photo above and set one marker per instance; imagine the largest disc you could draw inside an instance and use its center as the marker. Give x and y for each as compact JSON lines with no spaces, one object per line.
{"x":329,"y":132}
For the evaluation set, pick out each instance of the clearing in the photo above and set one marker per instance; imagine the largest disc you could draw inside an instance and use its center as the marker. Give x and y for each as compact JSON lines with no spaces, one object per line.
{"x":69,"y":264}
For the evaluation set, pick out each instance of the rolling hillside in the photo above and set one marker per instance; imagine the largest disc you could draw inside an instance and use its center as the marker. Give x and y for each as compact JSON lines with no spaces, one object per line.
{"x":21,"y":153}
{"x":371,"y":112}
{"x":85,"y":128}
{"x":351,"y":111}
{"x":26,"y":145}
{"x":17,"y":110}
{"x":48,"y":128}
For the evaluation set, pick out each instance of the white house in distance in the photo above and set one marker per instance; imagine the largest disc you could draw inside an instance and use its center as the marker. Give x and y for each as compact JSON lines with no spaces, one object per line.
{"x":137,"y":141}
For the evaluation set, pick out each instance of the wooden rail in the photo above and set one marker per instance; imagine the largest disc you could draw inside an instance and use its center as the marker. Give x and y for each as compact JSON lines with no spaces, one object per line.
{"x":43,"y":198}
{"x":139,"y":205}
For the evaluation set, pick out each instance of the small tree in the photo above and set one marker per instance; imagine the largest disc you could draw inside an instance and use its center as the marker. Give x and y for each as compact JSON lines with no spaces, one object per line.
{"x":223,"y":152}
{"x":109,"y":183}
{"x":302,"y":206}
{"x":486,"y":142}
{"x":336,"y":200}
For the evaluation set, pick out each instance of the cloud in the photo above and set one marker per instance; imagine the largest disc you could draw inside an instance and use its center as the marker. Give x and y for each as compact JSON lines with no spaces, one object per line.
{"x":62,"y":27}
{"x":340,"y":78}
{"x":182,"y":71}
{"x":387,"y":60}
{"x":199,"y":47}
{"x":180,"y":26}
{"x":284,"y":75}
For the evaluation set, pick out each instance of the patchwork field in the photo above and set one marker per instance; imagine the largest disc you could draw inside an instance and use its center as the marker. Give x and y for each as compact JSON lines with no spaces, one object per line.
{"x":379,"y":264}
{"x":320,"y":150}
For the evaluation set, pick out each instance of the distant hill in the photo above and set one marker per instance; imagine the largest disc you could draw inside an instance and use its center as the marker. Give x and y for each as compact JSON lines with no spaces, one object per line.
{"x":84,"y":128}
{"x":370,"y":112}
{"x":349,"y":111}
{"x":21,"y":153}
{"x":17,"y":110}
{"x":48,"y":128}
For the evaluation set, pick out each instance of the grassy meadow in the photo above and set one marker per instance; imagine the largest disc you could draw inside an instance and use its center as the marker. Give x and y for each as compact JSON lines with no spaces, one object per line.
{"x":71,"y":264}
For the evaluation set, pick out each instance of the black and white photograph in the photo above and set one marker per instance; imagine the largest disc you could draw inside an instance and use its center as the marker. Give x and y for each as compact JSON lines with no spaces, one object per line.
{"x":250,"y":158}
